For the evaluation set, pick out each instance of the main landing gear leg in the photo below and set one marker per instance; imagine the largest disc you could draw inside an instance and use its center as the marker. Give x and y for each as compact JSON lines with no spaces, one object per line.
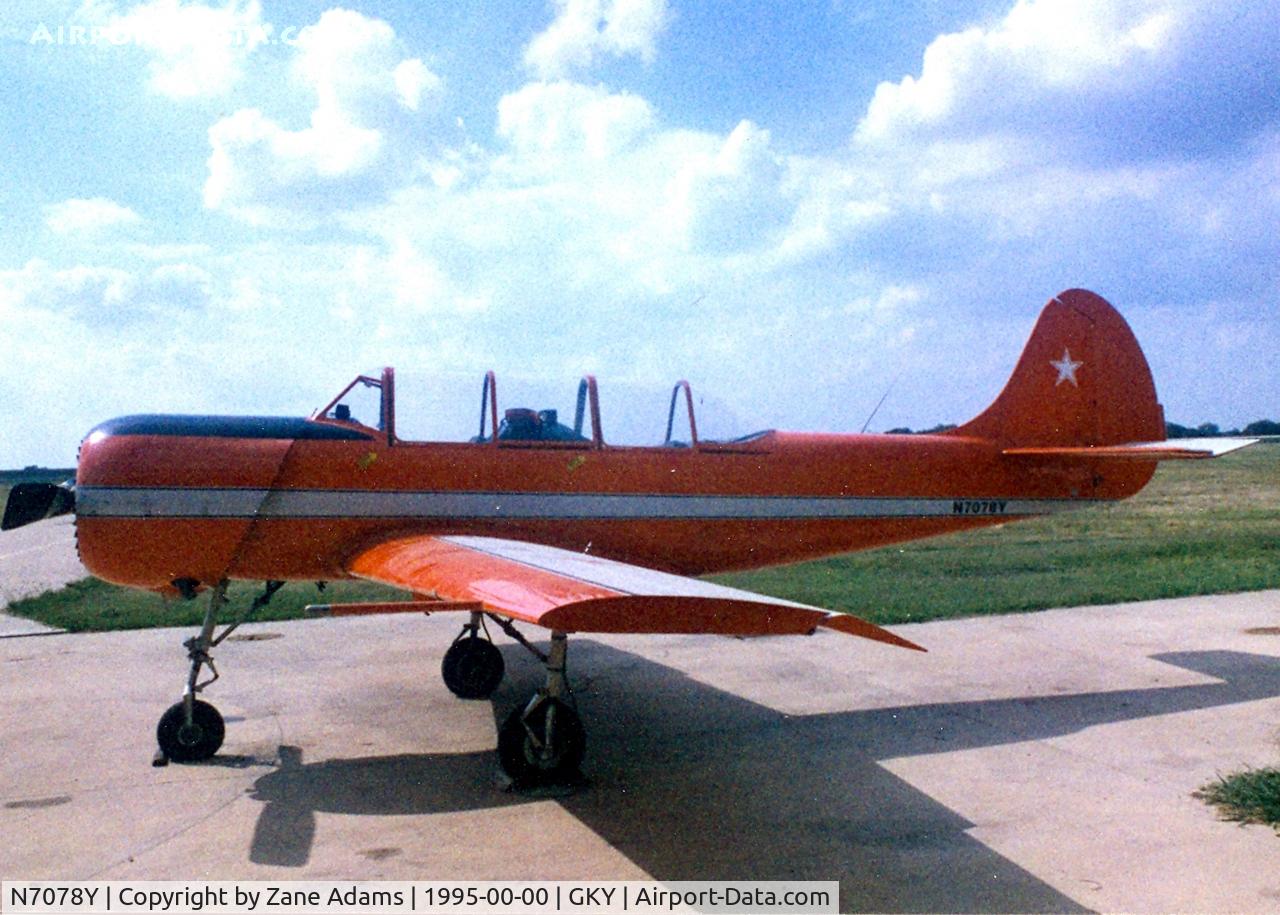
{"x":192,"y":730}
{"x":543,"y":742}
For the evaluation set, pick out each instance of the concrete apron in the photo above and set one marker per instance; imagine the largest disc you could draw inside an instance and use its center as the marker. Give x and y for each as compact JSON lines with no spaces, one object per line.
{"x":34,"y":559}
{"x":1040,"y":762}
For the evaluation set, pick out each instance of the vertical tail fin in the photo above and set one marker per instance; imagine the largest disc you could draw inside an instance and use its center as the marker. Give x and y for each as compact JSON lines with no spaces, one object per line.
{"x":1082,"y":380}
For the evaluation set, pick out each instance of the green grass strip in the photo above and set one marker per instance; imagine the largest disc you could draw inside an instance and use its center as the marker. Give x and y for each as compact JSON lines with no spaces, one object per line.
{"x":1252,"y":796}
{"x":91,"y":605}
{"x":1200,"y":527}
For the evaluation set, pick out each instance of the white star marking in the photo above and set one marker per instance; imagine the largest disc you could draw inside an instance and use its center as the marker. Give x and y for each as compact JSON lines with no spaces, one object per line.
{"x":1066,"y":369}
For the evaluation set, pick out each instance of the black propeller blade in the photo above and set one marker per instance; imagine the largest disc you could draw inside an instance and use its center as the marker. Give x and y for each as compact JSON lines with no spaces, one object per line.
{"x":30,"y":502}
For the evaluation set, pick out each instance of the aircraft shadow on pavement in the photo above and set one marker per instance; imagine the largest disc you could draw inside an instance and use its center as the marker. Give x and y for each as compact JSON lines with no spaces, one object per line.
{"x":694,"y":783}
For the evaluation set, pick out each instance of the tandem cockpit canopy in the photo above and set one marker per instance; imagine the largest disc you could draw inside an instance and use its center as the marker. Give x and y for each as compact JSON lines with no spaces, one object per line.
{"x":410,"y":407}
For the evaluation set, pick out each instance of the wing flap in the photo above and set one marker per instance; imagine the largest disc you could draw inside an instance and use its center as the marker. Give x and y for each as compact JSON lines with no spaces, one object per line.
{"x":853,"y":625}
{"x":682,"y":616}
{"x":577,"y":592}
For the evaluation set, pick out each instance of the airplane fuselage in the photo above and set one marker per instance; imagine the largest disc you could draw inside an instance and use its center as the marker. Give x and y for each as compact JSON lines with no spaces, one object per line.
{"x":163,"y":499}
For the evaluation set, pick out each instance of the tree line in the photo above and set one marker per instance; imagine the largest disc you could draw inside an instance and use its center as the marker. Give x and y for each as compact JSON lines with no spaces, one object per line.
{"x":1209,"y":430}
{"x":1172,"y":430}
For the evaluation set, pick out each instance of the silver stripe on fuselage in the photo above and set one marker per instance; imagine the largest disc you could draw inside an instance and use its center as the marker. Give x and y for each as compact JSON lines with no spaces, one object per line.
{"x":149,"y":502}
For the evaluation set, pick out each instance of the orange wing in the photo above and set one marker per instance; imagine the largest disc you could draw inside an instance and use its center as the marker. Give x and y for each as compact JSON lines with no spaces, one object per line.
{"x":577,"y":592}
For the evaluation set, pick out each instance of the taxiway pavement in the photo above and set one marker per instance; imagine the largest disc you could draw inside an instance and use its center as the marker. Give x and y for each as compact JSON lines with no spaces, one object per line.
{"x":1039,"y":762}
{"x":34,"y":559}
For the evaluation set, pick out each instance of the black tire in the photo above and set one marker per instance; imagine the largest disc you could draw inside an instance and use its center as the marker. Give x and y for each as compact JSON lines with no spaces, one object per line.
{"x":472,"y":668}
{"x":554,"y":757}
{"x":181,"y":742}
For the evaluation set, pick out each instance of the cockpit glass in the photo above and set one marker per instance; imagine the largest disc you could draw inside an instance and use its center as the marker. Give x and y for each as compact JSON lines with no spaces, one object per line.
{"x":720,"y":421}
{"x":455,"y":407}
{"x":635,"y":413}
{"x":442,"y":407}
{"x":360,"y":403}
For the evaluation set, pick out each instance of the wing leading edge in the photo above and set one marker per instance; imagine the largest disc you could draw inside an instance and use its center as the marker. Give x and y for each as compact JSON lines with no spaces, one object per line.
{"x":577,"y":592}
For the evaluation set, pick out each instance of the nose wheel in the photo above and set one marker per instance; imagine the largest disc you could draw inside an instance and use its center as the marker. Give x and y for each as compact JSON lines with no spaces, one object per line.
{"x":190,"y":741}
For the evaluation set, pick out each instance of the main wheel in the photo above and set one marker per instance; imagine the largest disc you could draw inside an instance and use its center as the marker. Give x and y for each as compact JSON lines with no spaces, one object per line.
{"x":192,"y":742}
{"x":544,"y":746}
{"x":472,"y":668}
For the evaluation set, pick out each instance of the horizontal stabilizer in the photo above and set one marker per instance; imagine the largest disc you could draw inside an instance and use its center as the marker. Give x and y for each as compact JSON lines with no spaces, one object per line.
{"x":1182,"y":449}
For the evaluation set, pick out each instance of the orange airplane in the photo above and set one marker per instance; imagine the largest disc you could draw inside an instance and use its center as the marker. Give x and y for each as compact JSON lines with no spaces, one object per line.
{"x":533,"y":521}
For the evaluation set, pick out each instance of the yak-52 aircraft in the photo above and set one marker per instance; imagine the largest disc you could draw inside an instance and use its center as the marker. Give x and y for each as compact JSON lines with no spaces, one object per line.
{"x":534,"y":521}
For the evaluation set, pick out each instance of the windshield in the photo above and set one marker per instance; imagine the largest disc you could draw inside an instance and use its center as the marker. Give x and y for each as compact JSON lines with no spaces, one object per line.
{"x":359,"y":403}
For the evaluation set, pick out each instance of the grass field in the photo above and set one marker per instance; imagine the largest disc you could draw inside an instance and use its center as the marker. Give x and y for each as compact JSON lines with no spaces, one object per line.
{"x":1200,"y":527}
{"x":95,"y":606}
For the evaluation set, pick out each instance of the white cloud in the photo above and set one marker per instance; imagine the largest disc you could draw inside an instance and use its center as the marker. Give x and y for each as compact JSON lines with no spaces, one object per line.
{"x":354,"y":65}
{"x":1039,"y":47}
{"x":590,"y":192}
{"x":419,"y":284}
{"x":100,"y":341}
{"x":415,"y":83}
{"x":254,"y":159}
{"x":103,"y":296}
{"x":196,"y":50}
{"x":1118,"y":145}
{"x":732,"y":199}
{"x":584,"y":29}
{"x":368,"y":102}
{"x":1091,"y":81}
{"x":87,"y":216}
{"x":559,"y":123}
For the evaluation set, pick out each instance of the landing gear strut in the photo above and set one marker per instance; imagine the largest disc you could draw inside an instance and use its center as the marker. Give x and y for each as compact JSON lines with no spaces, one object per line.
{"x":192,"y":730}
{"x":543,"y":741}
{"x":472,"y":667}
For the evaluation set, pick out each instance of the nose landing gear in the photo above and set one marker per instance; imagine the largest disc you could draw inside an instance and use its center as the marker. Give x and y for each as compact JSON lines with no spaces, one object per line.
{"x":192,"y":730}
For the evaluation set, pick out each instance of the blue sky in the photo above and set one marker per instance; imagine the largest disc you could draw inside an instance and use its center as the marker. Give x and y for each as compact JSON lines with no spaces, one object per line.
{"x":233,"y":207}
